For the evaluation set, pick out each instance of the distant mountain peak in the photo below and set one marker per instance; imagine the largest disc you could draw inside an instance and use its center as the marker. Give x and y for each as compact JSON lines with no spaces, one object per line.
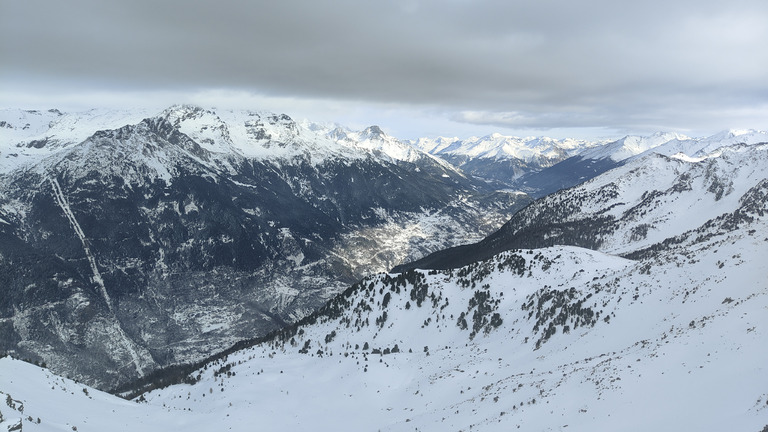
{"x":338,"y":133}
{"x":372,"y":132}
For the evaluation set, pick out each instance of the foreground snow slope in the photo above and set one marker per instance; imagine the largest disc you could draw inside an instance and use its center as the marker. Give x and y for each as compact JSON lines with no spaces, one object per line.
{"x":680,"y":346}
{"x":535,"y":339}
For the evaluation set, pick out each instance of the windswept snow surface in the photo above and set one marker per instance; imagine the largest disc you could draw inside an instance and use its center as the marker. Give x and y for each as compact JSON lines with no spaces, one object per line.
{"x":43,"y":401}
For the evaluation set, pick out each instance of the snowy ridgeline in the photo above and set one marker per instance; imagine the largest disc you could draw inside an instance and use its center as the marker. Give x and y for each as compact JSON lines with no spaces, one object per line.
{"x":540,"y":339}
{"x":29,"y":136}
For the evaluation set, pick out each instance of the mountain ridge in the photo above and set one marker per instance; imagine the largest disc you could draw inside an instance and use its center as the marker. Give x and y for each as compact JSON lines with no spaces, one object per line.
{"x":206,"y":240}
{"x":580,"y":225}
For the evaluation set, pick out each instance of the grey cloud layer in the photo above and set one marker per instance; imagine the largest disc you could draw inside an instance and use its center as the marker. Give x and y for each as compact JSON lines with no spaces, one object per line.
{"x":540,"y":62}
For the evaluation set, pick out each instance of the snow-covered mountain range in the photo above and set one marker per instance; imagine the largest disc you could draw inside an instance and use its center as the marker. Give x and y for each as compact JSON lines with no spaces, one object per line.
{"x":501,"y":158}
{"x":540,"y":166}
{"x":130,"y":243}
{"x":635,"y":207}
{"x":599,"y":159}
{"x":635,"y":301}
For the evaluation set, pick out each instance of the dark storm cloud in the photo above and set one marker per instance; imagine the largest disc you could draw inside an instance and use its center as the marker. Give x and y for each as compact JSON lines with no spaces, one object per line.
{"x":549,"y":63}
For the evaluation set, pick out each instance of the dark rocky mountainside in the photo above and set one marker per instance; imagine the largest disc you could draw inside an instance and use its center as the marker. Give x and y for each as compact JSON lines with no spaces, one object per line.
{"x":563,"y":175}
{"x":141,"y":247}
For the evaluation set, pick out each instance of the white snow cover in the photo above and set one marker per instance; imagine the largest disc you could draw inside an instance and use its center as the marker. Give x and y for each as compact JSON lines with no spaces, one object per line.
{"x":26,"y":137}
{"x":632,"y":145}
{"x":653,"y":197}
{"x":680,"y":348}
{"x":497,"y":146}
{"x":264,"y":135}
{"x":668,"y":144}
{"x":664,"y":189}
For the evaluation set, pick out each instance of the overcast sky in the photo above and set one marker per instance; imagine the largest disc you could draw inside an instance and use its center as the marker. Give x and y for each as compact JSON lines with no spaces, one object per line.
{"x":581,"y":68}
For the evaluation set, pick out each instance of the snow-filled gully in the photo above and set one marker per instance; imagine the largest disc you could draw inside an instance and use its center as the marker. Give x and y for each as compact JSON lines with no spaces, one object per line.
{"x":64,"y":204}
{"x":61,"y":199}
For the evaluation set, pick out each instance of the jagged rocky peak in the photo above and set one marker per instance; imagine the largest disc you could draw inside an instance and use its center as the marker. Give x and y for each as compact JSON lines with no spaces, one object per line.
{"x":158,"y":126}
{"x":205,"y":126}
{"x":372,"y":132}
{"x":280,"y":118}
{"x":178,"y":113}
{"x":181,"y":116}
{"x":284,"y":121}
